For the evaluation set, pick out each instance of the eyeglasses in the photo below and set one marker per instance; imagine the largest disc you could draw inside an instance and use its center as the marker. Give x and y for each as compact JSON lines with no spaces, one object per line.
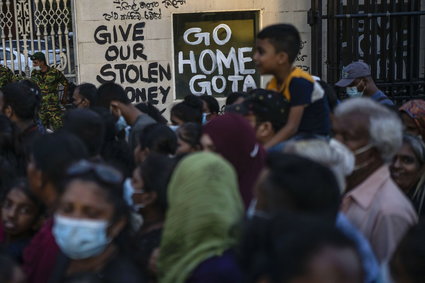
{"x":105,"y":173}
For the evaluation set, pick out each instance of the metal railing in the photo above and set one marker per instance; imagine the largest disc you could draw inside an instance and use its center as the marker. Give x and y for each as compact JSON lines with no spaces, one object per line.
{"x":386,"y":34}
{"x":29,"y":26}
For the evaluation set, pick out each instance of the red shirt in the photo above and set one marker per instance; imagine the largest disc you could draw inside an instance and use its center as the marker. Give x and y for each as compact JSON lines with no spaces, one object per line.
{"x":40,"y":255}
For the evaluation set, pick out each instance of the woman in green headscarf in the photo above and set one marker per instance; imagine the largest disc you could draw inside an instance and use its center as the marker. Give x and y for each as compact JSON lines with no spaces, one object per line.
{"x":200,"y":229}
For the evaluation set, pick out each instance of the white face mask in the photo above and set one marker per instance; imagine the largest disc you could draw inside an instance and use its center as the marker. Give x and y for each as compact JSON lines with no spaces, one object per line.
{"x":80,"y":238}
{"x":360,"y":151}
{"x":128,"y":195}
{"x":37,"y":68}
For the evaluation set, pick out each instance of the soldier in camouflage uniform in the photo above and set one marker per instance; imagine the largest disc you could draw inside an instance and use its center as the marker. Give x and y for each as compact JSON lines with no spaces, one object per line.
{"x":6,"y":76}
{"x":48,"y":79}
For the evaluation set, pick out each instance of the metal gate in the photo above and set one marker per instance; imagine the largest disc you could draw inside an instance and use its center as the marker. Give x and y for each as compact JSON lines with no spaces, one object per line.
{"x":387,"y":34}
{"x":28,"y":26}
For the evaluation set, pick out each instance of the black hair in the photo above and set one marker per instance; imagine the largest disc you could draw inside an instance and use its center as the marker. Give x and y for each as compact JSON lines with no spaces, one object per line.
{"x":408,"y":261}
{"x":89,"y":92}
{"x":155,"y":172}
{"x":53,"y":153}
{"x":158,"y":138}
{"x":190,"y":133}
{"x":284,"y":38}
{"x":8,"y":143}
{"x":330,"y":95}
{"x":21,"y":99}
{"x":7,"y":175}
{"x":88,"y":126}
{"x":109,"y":92}
{"x":115,"y":152}
{"x":299,"y":184}
{"x":212,"y":103}
{"x":233,"y":96}
{"x":7,"y":268}
{"x":268,"y":110}
{"x":189,"y":110}
{"x":280,"y":248}
{"x":22,"y":185}
{"x":152,"y":111}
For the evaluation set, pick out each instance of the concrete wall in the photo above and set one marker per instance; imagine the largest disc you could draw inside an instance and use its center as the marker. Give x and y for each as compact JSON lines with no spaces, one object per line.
{"x":158,"y":34}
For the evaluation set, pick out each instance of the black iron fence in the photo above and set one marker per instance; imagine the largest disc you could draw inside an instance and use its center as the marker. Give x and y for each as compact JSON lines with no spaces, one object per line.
{"x":386,"y":34}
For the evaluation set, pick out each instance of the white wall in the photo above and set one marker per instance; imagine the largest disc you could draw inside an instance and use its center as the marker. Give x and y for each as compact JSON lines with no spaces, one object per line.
{"x":158,"y":37}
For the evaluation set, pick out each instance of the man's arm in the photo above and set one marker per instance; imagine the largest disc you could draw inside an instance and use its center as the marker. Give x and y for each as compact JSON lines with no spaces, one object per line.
{"x":291,"y":127}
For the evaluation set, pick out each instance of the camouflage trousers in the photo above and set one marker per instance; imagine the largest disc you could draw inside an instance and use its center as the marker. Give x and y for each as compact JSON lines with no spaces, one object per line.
{"x":51,"y":112}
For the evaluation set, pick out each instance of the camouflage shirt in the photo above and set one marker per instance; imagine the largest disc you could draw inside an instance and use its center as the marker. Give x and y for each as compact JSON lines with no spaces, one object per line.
{"x":6,"y":76}
{"x":49,"y":81}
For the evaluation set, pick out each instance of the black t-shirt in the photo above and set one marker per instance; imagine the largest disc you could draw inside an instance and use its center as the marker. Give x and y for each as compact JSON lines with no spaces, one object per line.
{"x":118,"y":270}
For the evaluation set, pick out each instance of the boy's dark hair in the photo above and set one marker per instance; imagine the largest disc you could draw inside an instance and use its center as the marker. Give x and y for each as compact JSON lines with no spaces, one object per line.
{"x":109,"y":92}
{"x":303,"y":185}
{"x":21,"y":99}
{"x":190,"y":110}
{"x":289,"y":241}
{"x":212,"y":103}
{"x":284,"y":38}
{"x":89,"y":92}
{"x":53,"y":153}
{"x":152,"y":111}
{"x":158,"y":138}
{"x":88,"y":126}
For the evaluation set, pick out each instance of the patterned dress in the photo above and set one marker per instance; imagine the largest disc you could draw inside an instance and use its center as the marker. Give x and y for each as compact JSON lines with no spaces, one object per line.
{"x":49,"y":81}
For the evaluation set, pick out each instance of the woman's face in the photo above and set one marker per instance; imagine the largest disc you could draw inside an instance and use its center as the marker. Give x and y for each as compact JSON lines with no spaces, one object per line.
{"x":85,"y":200}
{"x":183,"y":147}
{"x":405,"y":168}
{"x":18,"y":214}
{"x":207,"y":143}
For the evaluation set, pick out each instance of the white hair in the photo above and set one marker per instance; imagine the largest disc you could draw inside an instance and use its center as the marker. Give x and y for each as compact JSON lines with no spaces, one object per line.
{"x":385,"y":127}
{"x":333,"y":155}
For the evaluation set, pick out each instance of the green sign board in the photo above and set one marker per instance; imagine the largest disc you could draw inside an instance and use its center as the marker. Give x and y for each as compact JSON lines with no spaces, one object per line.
{"x":213,"y":53}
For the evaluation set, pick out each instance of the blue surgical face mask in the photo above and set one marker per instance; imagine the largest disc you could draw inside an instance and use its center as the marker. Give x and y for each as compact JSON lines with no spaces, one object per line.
{"x":128,"y":195}
{"x":353,"y":92}
{"x":204,"y":118}
{"x":174,"y":127}
{"x":80,"y":238}
{"x":120,"y":124}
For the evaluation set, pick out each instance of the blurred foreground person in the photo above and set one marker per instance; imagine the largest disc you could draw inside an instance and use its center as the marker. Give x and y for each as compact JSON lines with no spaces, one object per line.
{"x":200,"y":230}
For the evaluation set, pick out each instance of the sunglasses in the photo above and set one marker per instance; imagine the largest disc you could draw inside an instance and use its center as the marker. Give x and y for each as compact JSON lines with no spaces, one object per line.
{"x":105,"y":173}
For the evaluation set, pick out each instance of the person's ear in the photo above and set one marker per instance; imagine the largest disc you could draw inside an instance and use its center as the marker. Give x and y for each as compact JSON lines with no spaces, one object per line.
{"x":282,"y":58}
{"x":115,"y":109}
{"x":265,"y":129}
{"x":85,"y":102}
{"x":8,"y":111}
{"x":116,"y":228}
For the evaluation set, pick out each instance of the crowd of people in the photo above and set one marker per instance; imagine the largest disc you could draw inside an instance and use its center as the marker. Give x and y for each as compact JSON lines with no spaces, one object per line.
{"x":284,"y":184}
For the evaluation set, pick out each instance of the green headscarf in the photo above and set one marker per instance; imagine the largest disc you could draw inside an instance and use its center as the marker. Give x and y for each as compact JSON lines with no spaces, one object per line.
{"x":204,"y":210}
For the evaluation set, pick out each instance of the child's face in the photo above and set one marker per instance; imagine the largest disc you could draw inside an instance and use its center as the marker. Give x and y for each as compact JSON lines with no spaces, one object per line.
{"x":18,"y":214}
{"x":265,"y":57}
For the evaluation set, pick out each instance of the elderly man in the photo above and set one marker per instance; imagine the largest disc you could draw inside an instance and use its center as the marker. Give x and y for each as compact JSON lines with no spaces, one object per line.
{"x":372,"y":201}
